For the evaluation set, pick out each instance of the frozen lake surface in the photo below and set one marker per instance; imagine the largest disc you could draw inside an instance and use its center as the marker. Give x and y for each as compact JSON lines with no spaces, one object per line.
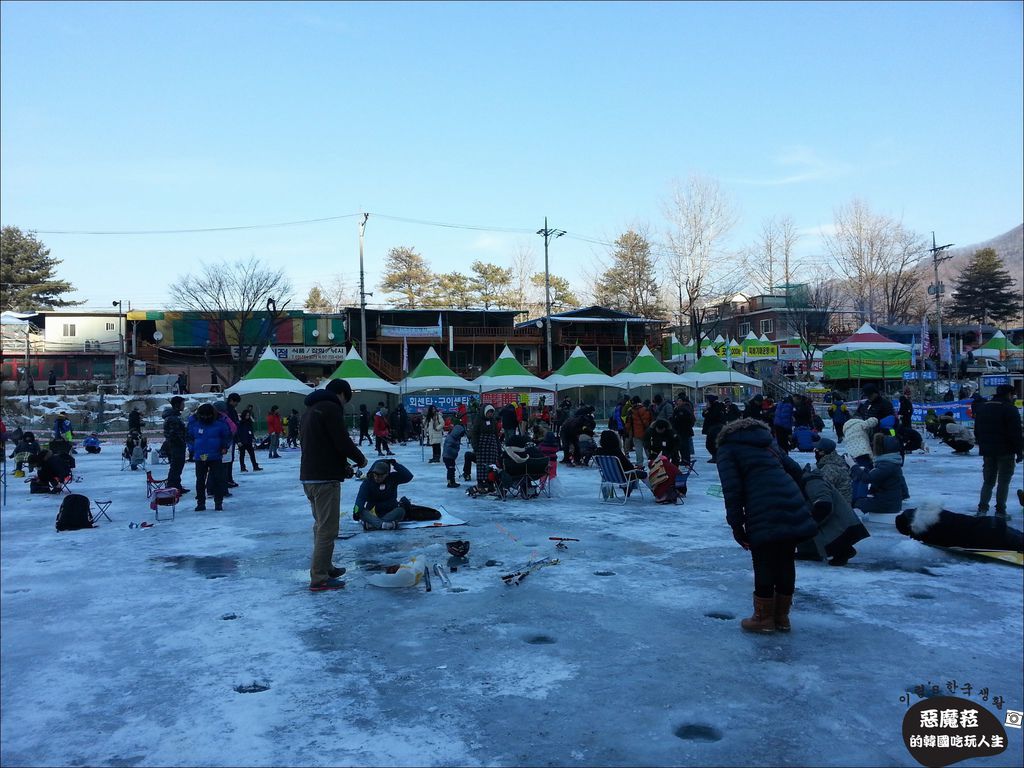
{"x":128,"y":646}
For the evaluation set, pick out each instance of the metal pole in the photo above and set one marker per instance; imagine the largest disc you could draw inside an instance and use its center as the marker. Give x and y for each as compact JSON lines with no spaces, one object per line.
{"x":935,"y":250}
{"x":548,"y":234}
{"x":362,"y":288}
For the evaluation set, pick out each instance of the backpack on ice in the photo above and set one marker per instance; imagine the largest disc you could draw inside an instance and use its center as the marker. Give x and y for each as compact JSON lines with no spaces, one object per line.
{"x":74,"y":513}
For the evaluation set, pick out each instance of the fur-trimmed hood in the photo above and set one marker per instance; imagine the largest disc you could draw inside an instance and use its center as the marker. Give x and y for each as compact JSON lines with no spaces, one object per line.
{"x":925,"y":516}
{"x":739,"y":425}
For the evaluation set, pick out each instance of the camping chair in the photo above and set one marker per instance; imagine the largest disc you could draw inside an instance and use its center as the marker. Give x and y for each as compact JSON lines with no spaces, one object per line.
{"x":153,"y":485}
{"x":165,"y":497}
{"x":612,"y":478}
{"x":686,"y":468}
{"x":103,"y":506}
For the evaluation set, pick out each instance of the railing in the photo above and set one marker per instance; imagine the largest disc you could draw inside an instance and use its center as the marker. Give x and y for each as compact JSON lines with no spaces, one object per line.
{"x":382,"y":366}
{"x":606,"y":340}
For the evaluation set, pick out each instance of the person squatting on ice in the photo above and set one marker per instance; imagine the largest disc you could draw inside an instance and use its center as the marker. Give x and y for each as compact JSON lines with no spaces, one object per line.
{"x":209,"y":441}
{"x":326,"y":451}
{"x":768,"y":514}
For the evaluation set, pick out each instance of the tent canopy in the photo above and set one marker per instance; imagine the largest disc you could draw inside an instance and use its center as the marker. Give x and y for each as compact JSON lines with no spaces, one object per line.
{"x":645,"y":369}
{"x":432,"y":373}
{"x":998,"y":346}
{"x":866,"y":354}
{"x":578,"y":371}
{"x":359,"y":376}
{"x":710,"y":370}
{"x":508,"y":373}
{"x":268,"y":375}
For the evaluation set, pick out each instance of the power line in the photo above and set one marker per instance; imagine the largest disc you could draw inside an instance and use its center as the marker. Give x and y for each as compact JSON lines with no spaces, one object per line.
{"x":188,"y":231}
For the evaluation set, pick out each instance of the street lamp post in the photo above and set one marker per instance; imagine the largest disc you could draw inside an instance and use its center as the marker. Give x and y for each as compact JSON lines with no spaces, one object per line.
{"x":549,"y":235}
{"x":120,"y":339}
{"x":362,"y":289}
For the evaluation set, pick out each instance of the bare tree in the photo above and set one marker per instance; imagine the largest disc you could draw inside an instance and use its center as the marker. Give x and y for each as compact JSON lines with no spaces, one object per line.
{"x":700,"y":217}
{"x":521,"y":289}
{"x":246,"y":296}
{"x":876,"y":256}
{"x":812,"y":313}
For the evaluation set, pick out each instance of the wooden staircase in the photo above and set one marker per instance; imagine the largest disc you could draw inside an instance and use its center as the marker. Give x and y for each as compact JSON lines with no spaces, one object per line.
{"x":382,"y":367}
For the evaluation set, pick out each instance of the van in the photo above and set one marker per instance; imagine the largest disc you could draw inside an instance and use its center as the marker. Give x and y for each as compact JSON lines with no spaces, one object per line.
{"x":986,"y":365}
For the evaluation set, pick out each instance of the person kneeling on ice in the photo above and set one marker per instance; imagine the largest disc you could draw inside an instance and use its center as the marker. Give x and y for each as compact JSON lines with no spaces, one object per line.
{"x":377,"y":504}
{"x":92,"y":443}
{"x":957,"y":436}
{"x":768,"y":514}
{"x":450,"y":452}
{"x":887,"y":487}
{"x":838,"y":527}
{"x":857,"y":436}
{"x":833,"y":467}
{"x":931,"y":524}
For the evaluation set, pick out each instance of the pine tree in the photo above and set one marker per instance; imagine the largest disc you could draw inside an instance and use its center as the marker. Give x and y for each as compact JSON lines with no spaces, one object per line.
{"x":452,"y":290}
{"x":27,"y":274}
{"x":491,"y":284}
{"x":316,"y":301}
{"x":562,"y":295}
{"x":630,"y":284}
{"x":407,"y":274}
{"x":984,"y":290}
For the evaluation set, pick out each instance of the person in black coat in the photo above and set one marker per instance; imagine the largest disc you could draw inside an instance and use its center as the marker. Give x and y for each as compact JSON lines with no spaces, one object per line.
{"x":135,"y":420}
{"x":906,"y":409}
{"x":803,"y":412}
{"x":682,"y":423}
{"x":714,"y":420}
{"x":768,"y":514}
{"x":997,"y":430}
{"x":509,"y":420}
{"x":246,"y":439}
{"x":364,"y":425}
{"x":877,"y":406}
{"x":661,"y":439}
{"x":932,"y":524}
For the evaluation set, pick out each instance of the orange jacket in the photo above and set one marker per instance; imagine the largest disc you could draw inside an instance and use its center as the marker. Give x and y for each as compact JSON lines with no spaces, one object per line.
{"x":275,"y":425}
{"x":639,"y":421}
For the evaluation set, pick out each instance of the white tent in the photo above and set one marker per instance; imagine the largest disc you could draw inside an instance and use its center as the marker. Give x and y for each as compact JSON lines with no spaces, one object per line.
{"x":359,"y":376}
{"x":578,"y":371}
{"x":645,"y":370}
{"x":508,"y":373}
{"x":270,"y":376}
{"x":432,"y":373}
{"x":710,"y":370}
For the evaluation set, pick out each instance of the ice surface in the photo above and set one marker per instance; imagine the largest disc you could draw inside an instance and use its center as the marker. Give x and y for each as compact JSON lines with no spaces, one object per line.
{"x":125,"y":646}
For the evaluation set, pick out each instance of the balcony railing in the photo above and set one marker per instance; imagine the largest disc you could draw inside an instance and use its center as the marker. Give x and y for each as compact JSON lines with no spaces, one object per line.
{"x":467,"y":333}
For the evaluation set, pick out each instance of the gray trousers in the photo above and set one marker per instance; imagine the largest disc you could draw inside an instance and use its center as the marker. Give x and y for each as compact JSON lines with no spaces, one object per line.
{"x":372,"y":520}
{"x":325,"y":503}
{"x":996,"y":472}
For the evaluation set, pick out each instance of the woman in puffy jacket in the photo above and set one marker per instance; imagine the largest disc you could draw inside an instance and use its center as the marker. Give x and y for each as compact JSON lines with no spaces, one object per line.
{"x":768,"y":514}
{"x":209,"y":440}
{"x":886,"y":486}
{"x":433,"y":426}
{"x":275,"y":428}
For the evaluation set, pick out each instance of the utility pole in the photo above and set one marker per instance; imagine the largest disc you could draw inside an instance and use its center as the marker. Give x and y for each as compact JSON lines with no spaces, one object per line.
{"x":362,"y":288}
{"x":937,"y":289}
{"x":549,"y":235}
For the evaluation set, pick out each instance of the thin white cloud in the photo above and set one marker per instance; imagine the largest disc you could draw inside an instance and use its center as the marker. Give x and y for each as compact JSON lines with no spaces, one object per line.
{"x":799,"y":165}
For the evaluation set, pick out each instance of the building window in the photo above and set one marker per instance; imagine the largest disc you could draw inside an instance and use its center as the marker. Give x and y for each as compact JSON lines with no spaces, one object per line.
{"x":526,"y":356}
{"x":69,"y":329}
{"x":743,"y":330}
{"x":110,"y":326}
{"x":767,"y":326}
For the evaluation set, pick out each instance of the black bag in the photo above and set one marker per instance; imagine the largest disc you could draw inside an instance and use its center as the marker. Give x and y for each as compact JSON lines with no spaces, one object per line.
{"x":38,"y":486}
{"x":74,"y":513}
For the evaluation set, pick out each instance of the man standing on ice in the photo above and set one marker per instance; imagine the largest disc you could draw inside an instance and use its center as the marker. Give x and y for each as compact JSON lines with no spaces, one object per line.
{"x":997,"y":429}
{"x":326,"y":451}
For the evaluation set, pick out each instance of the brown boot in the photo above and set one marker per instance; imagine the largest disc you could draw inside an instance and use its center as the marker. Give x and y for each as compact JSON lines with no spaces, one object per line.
{"x":782,"y":605}
{"x":763,"y":619}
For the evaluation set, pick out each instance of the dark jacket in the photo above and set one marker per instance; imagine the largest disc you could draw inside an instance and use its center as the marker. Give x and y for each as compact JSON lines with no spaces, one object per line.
{"x":134,"y":421}
{"x":906,"y":406}
{"x":610,"y":445}
{"x":483,"y":425}
{"x":175,"y":434}
{"x":326,"y":446}
{"x":803,"y":413}
{"x":942,"y":528}
{"x":885,"y":481}
{"x":683,"y":420}
{"x":661,"y":439}
{"x":246,"y":435}
{"x":714,"y":418}
{"x":380,"y":497}
{"x":452,"y":443}
{"x":997,"y":428}
{"x":761,"y":486}
{"x":509,"y":421}
{"x":784,"y":415}
{"x":880,"y":407}
{"x":364,"y":420}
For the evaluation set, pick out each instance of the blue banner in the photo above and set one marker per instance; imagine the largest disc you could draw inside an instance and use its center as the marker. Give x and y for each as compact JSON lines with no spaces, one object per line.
{"x":960,"y":408}
{"x":443,"y":403}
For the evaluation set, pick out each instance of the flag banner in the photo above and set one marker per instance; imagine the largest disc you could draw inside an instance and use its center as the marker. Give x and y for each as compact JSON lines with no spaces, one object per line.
{"x":926,"y":340}
{"x":451,"y":338}
{"x":913,"y":352}
{"x":405,"y":354}
{"x":625,"y":333}
{"x":411,"y":330}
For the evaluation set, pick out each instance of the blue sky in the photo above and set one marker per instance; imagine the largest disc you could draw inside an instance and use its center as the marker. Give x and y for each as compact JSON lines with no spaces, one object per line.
{"x":155,"y":116}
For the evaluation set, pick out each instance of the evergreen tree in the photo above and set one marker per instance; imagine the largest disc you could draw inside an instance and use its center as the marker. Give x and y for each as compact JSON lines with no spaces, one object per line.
{"x":27,"y":274}
{"x":452,"y":290}
{"x":491,"y":284}
{"x":317,"y":302}
{"x":407,"y":274}
{"x":630,"y":284}
{"x":562,"y":295}
{"x":984,"y":290}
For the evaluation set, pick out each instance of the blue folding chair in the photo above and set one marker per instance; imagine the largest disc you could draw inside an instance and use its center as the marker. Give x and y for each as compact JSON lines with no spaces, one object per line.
{"x":614,"y":479}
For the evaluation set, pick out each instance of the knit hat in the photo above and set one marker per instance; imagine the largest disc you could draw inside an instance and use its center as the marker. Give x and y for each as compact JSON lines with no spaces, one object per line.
{"x":341,"y":388}
{"x":824,"y":444}
{"x":488,"y":408}
{"x":380,"y":467}
{"x":1004,"y":390}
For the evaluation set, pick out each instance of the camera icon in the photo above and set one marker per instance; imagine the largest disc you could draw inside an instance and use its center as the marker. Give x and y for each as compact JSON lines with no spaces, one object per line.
{"x":1013,"y":718}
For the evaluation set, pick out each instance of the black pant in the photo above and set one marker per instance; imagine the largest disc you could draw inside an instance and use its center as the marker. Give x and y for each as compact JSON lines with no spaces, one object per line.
{"x":774,"y":568}
{"x":467,"y":463}
{"x":435,"y":452}
{"x":364,"y":432}
{"x":209,"y":479}
{"x":449,"y":465}
{"x":784,"y":437}
{"x":242,"y":450}
{"x":382,"y":445}
{"x":177,"y":461}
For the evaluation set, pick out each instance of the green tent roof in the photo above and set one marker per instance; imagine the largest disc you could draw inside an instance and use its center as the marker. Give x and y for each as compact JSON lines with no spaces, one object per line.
{"x":644,"y":362}
{"x":268,"y":367}
{"x":353,"y":367}
{"x":708,"y":364}
{"x":578,"y":364}
{"x":432,"y":365}
{"x":506,"y":365}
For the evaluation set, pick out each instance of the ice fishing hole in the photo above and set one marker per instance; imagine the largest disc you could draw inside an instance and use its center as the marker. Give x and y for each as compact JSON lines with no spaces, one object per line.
{"x":229,"y":617}
{"x":697,"y":732}
{"x":253,"y":687}
{"x":604,"y":573}
{"x":921,"y":596}
{"x":541,"y":640}
{"x":458,"y":589}
{"x":720,"y":615}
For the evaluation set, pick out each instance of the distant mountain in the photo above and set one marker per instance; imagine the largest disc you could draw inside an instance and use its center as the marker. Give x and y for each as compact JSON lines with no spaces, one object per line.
{"x":1009,"y":246}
